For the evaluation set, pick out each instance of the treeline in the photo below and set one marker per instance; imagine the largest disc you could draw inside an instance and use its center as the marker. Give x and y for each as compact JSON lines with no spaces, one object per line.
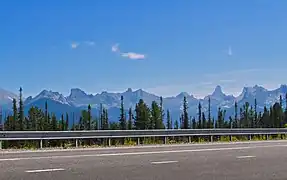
{"x":144,"y":116}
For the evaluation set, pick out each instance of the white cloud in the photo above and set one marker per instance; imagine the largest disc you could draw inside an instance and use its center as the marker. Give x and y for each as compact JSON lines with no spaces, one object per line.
{"x":132,"y":55}
{"x":115,"y":48}
{"x":75,"y":45}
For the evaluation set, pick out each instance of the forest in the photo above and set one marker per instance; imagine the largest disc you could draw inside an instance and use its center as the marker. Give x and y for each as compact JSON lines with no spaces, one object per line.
{"x":144,"y":116}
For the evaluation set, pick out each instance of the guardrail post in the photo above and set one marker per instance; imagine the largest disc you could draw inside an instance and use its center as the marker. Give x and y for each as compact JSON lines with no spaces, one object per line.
{"x":189,"y":139}
{"x":109,"y":141}
{"x":0,"y":144}
{"x":139,"y":142}
{"x":267,"y":136}
{"x":165,"y":140}
{"x":211,"y":138}
{"x":230,"y":137}
{"x":249,"y":137}
{"x":41,"y":144}
{"x":77,"y":143}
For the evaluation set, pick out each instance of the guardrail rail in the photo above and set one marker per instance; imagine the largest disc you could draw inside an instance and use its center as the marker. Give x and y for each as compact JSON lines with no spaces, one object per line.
{"x":109,"y":134}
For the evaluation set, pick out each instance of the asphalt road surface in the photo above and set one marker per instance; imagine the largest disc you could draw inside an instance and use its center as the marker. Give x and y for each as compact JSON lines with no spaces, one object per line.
{"x":233,"y":161}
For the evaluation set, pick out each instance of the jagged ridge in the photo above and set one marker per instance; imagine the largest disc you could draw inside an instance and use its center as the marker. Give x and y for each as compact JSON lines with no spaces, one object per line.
{"x":78,"y":99}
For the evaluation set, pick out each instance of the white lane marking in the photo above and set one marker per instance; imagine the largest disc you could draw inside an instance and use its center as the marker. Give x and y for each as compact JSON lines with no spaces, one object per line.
{"x":243,"y":157}
{"x":139,"y":153}
{"x":163,"y":162}
{"x":140,"y":147}
{"x":44,"y":170}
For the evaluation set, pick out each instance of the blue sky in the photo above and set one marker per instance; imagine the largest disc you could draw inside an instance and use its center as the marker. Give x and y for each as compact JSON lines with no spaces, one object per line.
{"x":183,"y":45}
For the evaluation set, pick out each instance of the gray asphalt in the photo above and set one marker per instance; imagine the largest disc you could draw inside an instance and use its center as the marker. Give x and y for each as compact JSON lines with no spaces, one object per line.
{"x":260,"y":160}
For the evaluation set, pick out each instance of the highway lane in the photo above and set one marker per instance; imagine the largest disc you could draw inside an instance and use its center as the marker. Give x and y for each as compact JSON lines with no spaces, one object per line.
{"x":261,"y":160}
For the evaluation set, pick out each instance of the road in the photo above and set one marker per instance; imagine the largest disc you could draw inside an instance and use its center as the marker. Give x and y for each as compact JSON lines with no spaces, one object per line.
{"x":233,"y":161}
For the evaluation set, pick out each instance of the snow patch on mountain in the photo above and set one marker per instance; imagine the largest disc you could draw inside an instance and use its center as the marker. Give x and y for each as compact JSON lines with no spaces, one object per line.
{"x":45,"y":94}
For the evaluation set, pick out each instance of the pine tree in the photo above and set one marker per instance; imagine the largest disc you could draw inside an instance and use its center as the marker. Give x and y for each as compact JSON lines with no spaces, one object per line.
{"x":161,"y":113}
{"x":123,"y":123}
{"x":199,"y":116}
{"x":32,"y":118}
{"x":54,"y":123}
{"x":67,"y":122}
{"x":251,"y":117}
{"x":168,"y":120}
{"x":21,"y":111}
{"x":236,"y":123}
{"x":46,"y":123}
{"x":89,"y":117}
{"x":266,"y":118}
{"x":185,"y":114}
{"x":142,"y":116}
{"x":255,"y":113}
{"x":193,"y":123}
{"x":204,"y":125}
{"x":101,"y":117}
{"x":130,"y":121}
{"x":220,"y":119}
{"x":1,"y":120}
{"x":230,"y":122}
{"x":246,"y":123}
{"x":209,"y":114}
{"x":176,"y":124}
{"x":73,"y":125}
{"x":15,"y":119}
{"x":105,"y":119}
{"x":62,"y":123}
{"x":156,"y":119}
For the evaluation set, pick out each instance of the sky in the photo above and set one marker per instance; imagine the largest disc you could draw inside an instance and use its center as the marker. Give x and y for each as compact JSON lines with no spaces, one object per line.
{"x":164,"y":47}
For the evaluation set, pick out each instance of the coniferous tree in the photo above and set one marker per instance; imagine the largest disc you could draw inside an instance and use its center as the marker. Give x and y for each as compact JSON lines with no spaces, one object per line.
{"x":156,"y":119}
{"x":236,"y":123}
{"x":193,"y":123}
{"x":251,"y":117}
{"x":199,"y":116}
{"x":266,"y":118}
{"x":220,"y":119}
{"x":168,"y":120}
{"x":185,"y":114}
{"x":130,"y":121}
{"x":21,"y":111}
{"x":176,"y":124}
{"x":54,"y":123}
{"x":230,"y":122}
{"x":105,"y":119}
{"x":123,"y":123}
{"x":255,"y":113}
{"x":161,"y":112}
{"x":142,"y":116}
{"x":209,"y":114}
{"x":73,"y":124}
{"x":62,"y":123}
{"x":1,"y":120}
{"x":246,"y":115}
{"x":101,"y":117}
{"x":46,"y":123}
{"x":89,"y":117}
{"x":67,"y":122}
{"x":15,"y":117}
{"x":204,"y":125}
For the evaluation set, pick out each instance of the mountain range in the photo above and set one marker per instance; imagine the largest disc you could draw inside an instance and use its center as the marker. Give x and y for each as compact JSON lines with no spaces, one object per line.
{"x":78,"y":100}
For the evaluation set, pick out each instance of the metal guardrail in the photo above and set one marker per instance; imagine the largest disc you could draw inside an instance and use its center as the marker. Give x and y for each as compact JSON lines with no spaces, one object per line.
{"x":41,"y":135}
